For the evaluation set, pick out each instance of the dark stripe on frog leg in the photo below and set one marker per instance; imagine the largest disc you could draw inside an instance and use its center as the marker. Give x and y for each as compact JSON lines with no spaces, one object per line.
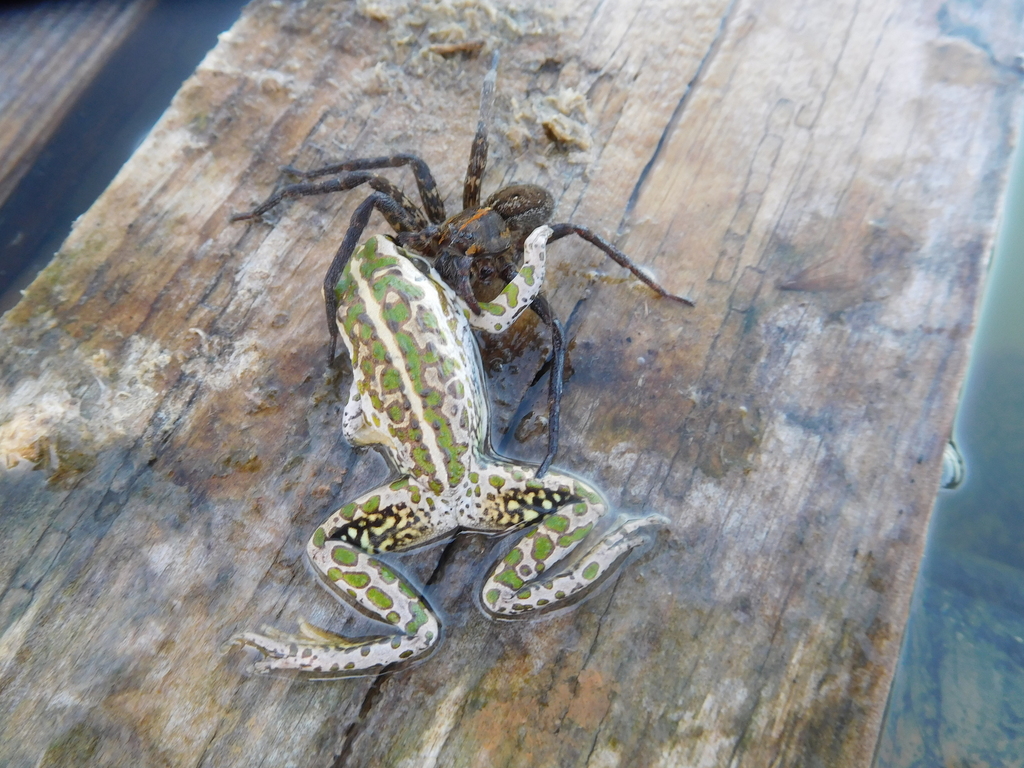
{"x":506,"y":504}
{"x":387,"y":529}
{"x":370,"y":526}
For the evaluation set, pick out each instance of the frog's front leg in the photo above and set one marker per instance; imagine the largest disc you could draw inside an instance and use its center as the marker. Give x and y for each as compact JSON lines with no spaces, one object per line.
{"x":505,"y":308}
{"x":391,"y":518}
{"x":568,"y":508}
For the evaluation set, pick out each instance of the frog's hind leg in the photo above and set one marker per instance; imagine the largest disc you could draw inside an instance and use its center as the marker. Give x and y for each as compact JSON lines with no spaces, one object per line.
{"x":566,"y":511}
{"x":395,"y":517}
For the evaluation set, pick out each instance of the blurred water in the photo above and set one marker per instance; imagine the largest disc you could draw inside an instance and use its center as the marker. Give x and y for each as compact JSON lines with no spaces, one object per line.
{"x":958,"y":695}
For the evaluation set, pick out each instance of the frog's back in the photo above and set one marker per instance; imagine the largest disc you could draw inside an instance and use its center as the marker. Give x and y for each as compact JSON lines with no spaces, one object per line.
{"x":416,"y":368}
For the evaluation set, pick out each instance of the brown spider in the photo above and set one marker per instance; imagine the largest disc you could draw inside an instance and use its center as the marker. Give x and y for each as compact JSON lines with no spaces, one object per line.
{"x":468,"y":248}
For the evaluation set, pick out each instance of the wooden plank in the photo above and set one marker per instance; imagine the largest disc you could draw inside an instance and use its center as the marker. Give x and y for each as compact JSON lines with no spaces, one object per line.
{"x":49,"y":53}
{"x":823,"y":179}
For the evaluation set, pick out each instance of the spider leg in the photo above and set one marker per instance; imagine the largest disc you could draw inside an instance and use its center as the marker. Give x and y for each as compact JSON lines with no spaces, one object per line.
{"x":408,"y":218}
{"x":431,"y":198}
{"x":453,"y":267}
{"x":478,"y":154}
{"x":393,"y":211}
{"x":562,"y":230}
{"x":557,"y":381}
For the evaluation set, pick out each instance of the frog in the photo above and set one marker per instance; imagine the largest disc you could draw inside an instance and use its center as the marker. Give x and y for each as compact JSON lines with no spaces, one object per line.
{"x":419,"y":396}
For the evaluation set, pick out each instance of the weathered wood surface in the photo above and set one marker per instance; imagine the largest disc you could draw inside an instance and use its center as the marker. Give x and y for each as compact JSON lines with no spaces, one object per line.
{"x":48,"y":54}
{"x":823,"y":179}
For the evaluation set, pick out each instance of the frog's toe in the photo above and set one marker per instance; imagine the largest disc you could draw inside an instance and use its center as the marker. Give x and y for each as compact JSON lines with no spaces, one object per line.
{"x":633,"y":533}
{"x":275,"y":647}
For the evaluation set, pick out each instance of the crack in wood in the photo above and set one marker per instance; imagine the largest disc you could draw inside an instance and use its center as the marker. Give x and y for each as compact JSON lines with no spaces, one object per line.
{"x":673,"y":121}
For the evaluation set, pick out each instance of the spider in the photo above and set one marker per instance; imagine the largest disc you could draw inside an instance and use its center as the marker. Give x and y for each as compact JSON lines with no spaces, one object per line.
{"x":473,"y":247}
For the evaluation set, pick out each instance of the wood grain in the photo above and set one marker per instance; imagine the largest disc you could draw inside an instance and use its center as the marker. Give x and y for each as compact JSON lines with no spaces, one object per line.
{"x":822,"y":178}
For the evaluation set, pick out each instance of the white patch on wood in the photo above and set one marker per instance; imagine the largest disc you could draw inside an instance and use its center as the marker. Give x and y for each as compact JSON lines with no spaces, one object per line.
{"x":42,"y":410}
{"x":714,"y":724}
{"x":434,"y":737}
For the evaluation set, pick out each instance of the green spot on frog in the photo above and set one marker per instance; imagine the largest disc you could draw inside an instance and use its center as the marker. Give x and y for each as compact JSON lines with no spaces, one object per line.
{"x":509,"y":578}
{"x":333,"y":574}
{"x":523,"y":595}
{"x":491,"y":309}
{"x":353,"y":313}
{"x":542,"y":548}
{"x":348,"y":511}
{"x":398,"y":312}
{"x":423,"y":463}
{"x":590,"y":571}
{"x":406,"y":590}
{"x":513,"y":557}
{"x":319,"y":537}
{"x":577,"y":535}
{"x":474,"y":477}
{"x":429,"y":320}
{"x":399,"y":484}
{"x":391,"y":380}
{"x":344,"y":556}
{"x":393,"y":617}
{"x":371,"y":504}
{"x":586,"y":493}
{"x":527,"y":273}
{"x":557,"y":523}
{"x":511,"y":293}
{"x":492,"y":596}
{"x":386,"y":574}
{"x":379,"y":598}
{"x":399,"y":286}
{"x":419,"y":618}
{"x":497,"y":481}
{"x":580,"y":509}
{"x":379,"y":352}
{"x":357,"y":579}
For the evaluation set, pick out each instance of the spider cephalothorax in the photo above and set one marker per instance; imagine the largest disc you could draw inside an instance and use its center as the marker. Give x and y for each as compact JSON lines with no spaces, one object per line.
{"x":470,"y":247}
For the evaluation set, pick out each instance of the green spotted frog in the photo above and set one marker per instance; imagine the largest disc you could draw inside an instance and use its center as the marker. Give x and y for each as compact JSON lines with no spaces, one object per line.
{"x":419,"y":394}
